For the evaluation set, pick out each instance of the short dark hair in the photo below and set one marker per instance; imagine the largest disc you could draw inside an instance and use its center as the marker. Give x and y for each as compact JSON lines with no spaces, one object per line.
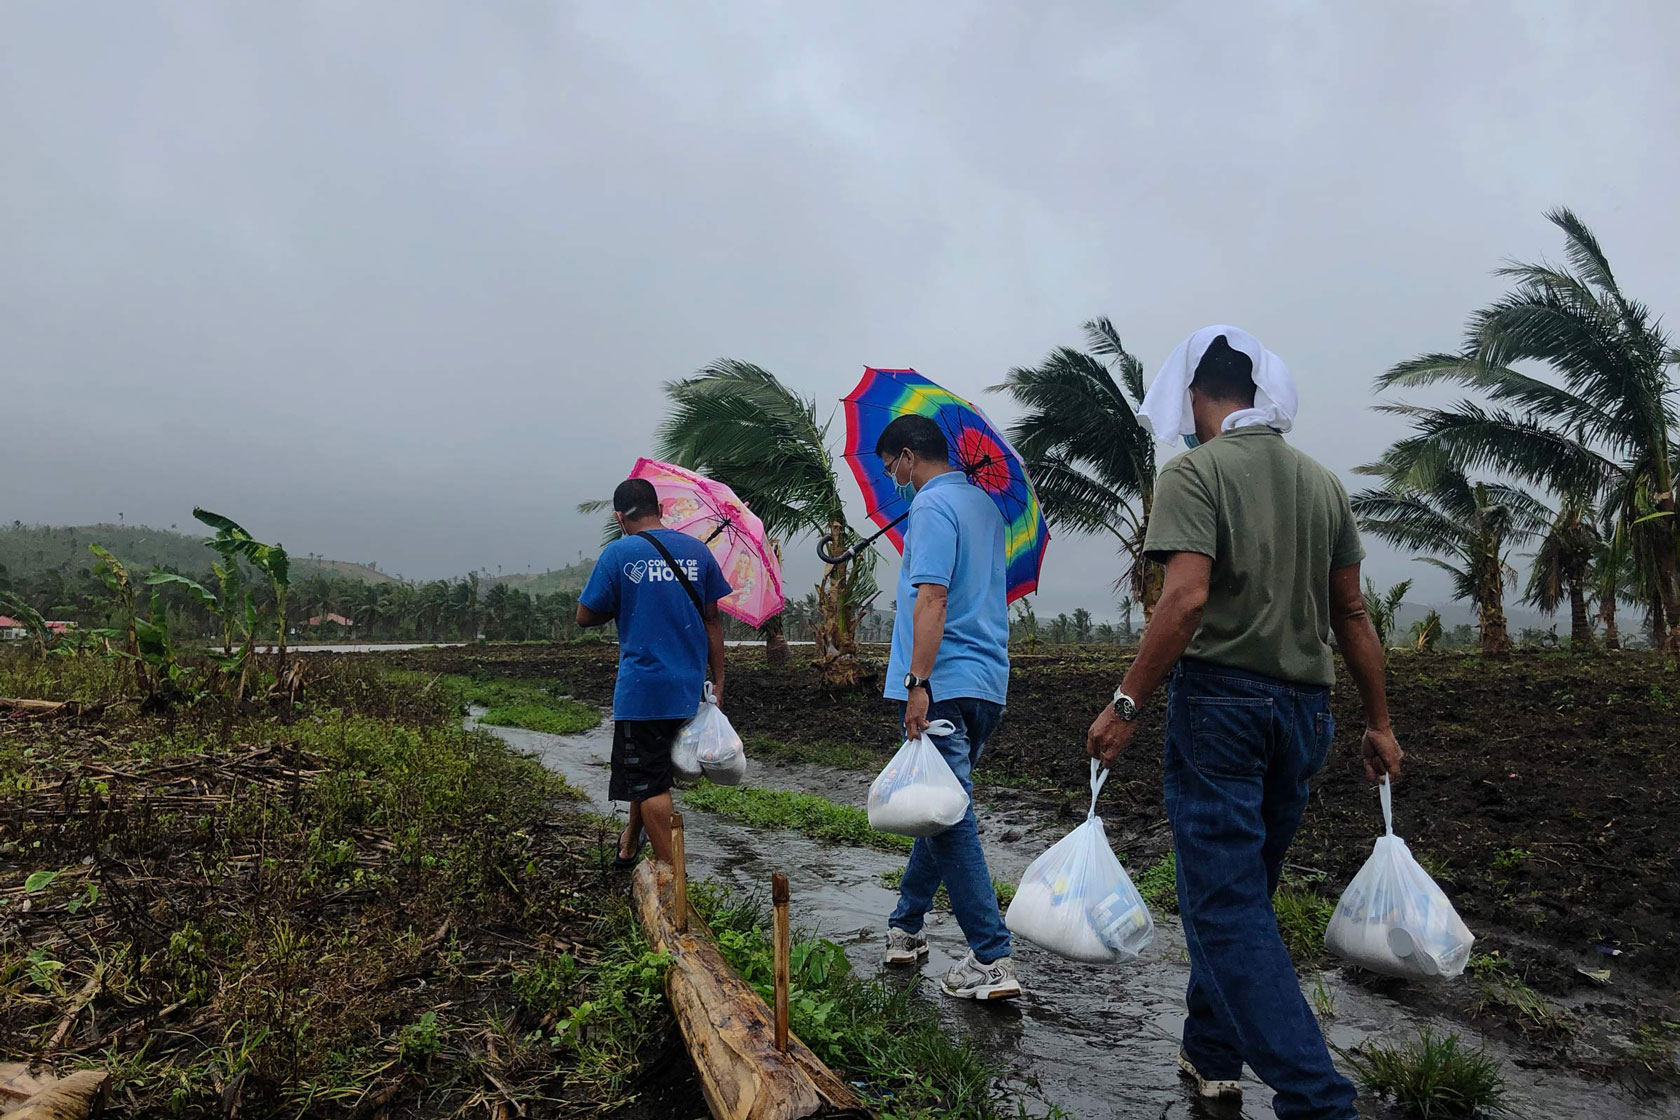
{"x":635,"y":497}
{"x":913,"y":433}
{"x":1225,"y":374}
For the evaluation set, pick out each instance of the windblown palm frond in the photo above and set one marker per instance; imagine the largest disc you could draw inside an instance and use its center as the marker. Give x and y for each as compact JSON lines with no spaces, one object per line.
{"x":1091,"y":461}
{"x":1599,"y":428}
{"x":735,"y":422}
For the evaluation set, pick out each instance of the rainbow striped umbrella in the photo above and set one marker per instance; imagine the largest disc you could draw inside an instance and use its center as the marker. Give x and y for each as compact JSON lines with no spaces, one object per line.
{"x":978,"y":449}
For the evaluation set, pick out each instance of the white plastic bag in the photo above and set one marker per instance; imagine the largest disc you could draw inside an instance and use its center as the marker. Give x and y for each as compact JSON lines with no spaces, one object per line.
{"x":1077,"y":901}
{"x":917,"y":794}
{"x":685,"y":763}
{"x":1393,"y":919}
{"x":717,"y":748}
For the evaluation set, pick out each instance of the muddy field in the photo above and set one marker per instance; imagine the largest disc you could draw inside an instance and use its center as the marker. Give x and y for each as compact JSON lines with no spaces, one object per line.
{"x":1542,"y":790}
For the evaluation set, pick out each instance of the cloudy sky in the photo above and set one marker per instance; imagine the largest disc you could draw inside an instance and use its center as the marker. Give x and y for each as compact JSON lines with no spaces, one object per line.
{"x":401,"y":281}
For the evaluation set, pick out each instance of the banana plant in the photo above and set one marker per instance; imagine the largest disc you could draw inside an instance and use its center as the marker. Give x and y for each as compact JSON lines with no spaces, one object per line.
{"x":233,"y":606}
{"x":234,"y":543}
{"x":145,"y":639}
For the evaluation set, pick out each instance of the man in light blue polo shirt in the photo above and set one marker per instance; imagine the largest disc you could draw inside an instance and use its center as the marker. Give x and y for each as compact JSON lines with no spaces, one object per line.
{"x":950,"y":661}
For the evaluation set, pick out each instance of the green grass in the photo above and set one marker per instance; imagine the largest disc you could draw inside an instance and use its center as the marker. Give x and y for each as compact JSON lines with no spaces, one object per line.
{"x":1302,"y":916}
{"x":825,"y":752}
{"x":534,"y":707}
{"x":941,"y":900}
{"x":817,"y":817}
{"x":850,"y":756}
{"x":1159,"y":884}
{"x":1434,"y":1077}
{"x":562,"y":717}
{"x":1500,"y":989}
{"x":321,"y":864}
{"x":881,"y":1038}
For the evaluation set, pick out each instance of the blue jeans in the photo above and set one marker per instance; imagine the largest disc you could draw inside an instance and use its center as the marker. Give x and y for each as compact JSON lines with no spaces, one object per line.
{"x":1240,"y":748}
{"x":954,"y":856}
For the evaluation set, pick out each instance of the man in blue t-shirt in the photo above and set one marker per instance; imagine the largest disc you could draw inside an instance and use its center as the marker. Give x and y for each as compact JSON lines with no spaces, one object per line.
{"x":950,"y":661}
{"x":668,"y":638}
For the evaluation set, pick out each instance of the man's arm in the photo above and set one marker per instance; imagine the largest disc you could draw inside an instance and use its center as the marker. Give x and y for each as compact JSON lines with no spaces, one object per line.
{"x":927,"y":630}
{"x":1363,"y":652}
{"x":714,"y":650}
{"x":589,"y":619}
{"x":1179,"y":612}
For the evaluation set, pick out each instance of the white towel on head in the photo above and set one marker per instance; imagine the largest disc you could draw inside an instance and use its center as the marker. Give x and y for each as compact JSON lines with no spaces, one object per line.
{"x":1166,"y":407}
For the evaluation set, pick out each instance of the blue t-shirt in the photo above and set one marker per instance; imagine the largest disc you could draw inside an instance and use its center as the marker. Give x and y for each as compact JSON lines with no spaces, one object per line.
{"x":954,"y":538}
{"x":661,"y":639}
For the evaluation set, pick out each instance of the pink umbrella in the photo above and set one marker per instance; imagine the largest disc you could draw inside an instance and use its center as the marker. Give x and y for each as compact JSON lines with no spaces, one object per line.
{"x":710,"y":512}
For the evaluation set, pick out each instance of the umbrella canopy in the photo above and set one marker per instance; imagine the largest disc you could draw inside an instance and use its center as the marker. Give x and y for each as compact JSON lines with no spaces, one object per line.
{"x":978,"y":449}
{"x":710,"y":512}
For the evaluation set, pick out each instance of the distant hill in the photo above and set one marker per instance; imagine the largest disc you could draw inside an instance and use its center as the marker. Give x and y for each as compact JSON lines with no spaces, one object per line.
{"x":570,"y":578}
{"x":28,"y":550}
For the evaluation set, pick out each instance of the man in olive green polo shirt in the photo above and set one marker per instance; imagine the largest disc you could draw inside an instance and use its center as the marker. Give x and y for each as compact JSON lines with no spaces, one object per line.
{"x":1262,"y":564}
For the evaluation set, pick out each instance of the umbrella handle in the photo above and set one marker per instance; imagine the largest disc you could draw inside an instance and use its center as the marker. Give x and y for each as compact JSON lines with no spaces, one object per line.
{"x":848,"y":554}
{"x":845,"y":554}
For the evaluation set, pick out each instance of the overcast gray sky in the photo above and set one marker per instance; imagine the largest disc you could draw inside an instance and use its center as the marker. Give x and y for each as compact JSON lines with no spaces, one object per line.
{"x":400,"y":281}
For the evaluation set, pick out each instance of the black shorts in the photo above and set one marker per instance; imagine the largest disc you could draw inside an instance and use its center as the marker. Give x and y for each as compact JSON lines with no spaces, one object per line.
{"x":641,"y":758}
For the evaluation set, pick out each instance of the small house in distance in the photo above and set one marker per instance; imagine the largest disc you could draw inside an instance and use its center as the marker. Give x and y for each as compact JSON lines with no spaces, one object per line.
{"x":12,"y":629}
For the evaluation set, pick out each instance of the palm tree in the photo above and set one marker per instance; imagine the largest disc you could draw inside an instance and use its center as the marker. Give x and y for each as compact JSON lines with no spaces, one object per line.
{"x":1426,"y":503}
{"x":1092,"y":463}
{"x":1613,"y":579}
{"x":737,"y":423}
{"x":1604,"y":430}
{"x":1426,"y":631}
{"x":1561,"y":570}
{"x":1383,"y":607}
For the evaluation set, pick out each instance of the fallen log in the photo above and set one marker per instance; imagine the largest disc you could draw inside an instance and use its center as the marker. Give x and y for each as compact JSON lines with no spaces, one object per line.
{"x":730,"y":1033}
{"x":76,"y":1097}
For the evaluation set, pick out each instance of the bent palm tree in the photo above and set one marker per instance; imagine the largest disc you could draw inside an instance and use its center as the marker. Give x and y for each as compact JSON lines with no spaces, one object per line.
{"x":735,"y":422}
{"x":1426,"y":503}
{"x":1605,"y":430}
{"x":1091,"y":461}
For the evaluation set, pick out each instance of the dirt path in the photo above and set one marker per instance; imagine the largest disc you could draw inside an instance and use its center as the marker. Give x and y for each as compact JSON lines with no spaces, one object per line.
{"x":1096,"y":1042}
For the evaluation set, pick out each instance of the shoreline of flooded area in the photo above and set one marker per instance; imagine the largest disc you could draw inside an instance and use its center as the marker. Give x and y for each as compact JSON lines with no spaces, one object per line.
{"x":1096,"y":1042}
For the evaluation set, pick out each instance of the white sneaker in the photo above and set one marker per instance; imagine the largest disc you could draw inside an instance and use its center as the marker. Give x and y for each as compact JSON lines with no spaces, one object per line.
{"x":969,"y":979}
{"x":905,"y":948}
{"x":1220,"y":1090}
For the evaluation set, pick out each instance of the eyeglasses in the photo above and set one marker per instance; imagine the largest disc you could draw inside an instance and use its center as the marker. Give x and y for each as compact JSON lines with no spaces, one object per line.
{"x":888,"y":466}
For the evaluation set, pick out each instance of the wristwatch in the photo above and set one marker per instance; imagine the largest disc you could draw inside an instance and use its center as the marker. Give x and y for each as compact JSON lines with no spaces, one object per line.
{"x":1124,"y":706}
{"x":912,"y":681}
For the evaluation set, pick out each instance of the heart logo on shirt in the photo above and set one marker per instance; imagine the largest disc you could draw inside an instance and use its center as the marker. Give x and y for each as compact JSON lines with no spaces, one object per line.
{"x":636,"y":571}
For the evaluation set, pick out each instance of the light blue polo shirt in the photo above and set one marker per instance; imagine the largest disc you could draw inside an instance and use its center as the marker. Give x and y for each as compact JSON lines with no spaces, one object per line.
{"x":954,"y":538}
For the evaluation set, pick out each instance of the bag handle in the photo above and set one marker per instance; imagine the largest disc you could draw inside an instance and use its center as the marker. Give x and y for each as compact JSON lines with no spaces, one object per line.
{"x":940,"y":728}
{"x":682,"y":577}
{"x":1387,"y":795}
{"x":1099,"y":779}
{"x":708,"y":695}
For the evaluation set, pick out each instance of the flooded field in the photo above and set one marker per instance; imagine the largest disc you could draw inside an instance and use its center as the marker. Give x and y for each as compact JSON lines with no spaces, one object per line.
{"x":1094,"y":1042}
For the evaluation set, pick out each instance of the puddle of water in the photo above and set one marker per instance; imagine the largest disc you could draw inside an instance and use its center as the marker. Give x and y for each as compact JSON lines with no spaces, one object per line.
{"x":1095,"y":1042}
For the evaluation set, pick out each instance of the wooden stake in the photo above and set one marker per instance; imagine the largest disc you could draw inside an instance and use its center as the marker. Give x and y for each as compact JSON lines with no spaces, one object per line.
{"x":779,"y":902}
{"x":679,"y":874}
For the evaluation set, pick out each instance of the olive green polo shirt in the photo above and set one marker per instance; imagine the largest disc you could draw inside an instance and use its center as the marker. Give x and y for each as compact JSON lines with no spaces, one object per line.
{"x":1276,"y":524}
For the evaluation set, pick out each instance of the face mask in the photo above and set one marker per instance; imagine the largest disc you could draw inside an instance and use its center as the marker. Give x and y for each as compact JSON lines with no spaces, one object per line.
{"x":1192,"y":442}
{"x":907,"y":492}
